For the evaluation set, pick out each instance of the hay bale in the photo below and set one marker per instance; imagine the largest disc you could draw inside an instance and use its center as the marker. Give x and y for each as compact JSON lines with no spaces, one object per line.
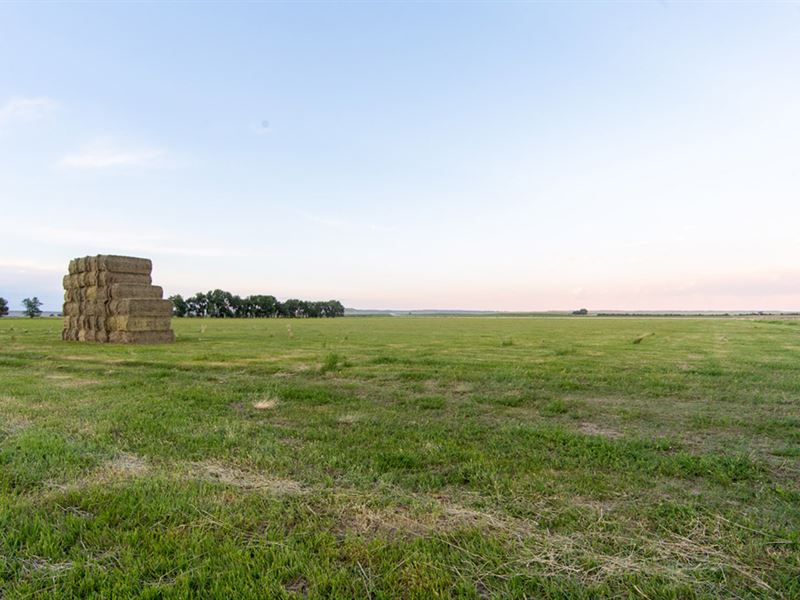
{"x":92,"y":335}
{"x":104,"y":278}
{"x":116,"y":291}
{"x":136,"y":323}
{"x":90,"y":308}
{"x":111,"y":262}
{"x":143,"y":307}
{"x":124,"y":264}
{"x":83,"y":322}
{"x":111,"y":298}
{"x":120,"y":291}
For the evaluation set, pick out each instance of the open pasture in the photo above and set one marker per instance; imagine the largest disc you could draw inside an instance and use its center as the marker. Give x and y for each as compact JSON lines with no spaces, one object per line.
{"x":404,"y":457}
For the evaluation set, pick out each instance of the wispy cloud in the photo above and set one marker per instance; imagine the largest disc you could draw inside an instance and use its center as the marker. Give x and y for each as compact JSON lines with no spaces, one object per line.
{"x":26,"y":109}
{"x":102,"y":153}
{"x":118,"y":241}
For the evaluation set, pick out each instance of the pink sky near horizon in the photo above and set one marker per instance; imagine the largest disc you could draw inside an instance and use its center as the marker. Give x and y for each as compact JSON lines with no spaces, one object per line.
{"x":777,"y":291}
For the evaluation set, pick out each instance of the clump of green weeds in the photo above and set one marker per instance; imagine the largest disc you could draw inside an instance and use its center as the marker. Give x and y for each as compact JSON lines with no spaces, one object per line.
{"x":332,"y":362}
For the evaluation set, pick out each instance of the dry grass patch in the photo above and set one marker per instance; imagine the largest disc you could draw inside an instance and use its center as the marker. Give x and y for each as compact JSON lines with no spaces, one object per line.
{"x":201,"y":362}
{"x":13,"y":423}
{"x":431,"y":385}
{"x":265,"y":403}
{"x":348,"y":419}
{"x":216,"y":472}
{"x":36,"y":564}
{"x":462,"y":388}
{"x":422,"y":516}
{"x":295,"y":370}
{"x":123,"y":466}
{"x":627,"y":550}
{"x":69,"y":381}
{"x":602,"y":430}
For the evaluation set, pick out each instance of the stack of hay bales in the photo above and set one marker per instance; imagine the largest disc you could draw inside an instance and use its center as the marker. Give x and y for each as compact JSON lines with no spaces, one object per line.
{"x":111,"y":299}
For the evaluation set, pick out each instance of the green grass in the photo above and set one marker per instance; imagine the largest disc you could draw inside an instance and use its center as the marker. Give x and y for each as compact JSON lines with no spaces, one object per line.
{"x":404,"y":457}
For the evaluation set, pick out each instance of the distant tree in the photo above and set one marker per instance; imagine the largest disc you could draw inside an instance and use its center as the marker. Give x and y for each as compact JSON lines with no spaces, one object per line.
{"x":293,"y":308}
{"x":221,"y":304}
{"x":580,"y":311}
{"x":314,"y":309}
{"x":240,"y":306}
{"x":334,"y":308}
{"x":3,"y":307}
{"x":32,"y":307}
{"x":196,"y":305}
{"x":263,"y":306}
{"x":179,"y":306}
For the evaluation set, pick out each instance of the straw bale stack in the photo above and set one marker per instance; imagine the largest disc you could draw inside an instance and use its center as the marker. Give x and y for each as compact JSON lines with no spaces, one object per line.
{"x":111,"y":299}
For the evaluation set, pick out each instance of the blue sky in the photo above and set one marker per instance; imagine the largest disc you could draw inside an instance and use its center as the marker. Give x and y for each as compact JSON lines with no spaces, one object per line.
{"x":489,"y":156}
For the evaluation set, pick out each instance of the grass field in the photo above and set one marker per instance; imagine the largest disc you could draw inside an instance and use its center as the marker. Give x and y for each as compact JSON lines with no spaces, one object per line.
{"x":404,"y":457}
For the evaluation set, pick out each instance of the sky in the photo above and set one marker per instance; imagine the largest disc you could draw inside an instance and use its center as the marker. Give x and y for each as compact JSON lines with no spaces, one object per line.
{"x":498,"y":156}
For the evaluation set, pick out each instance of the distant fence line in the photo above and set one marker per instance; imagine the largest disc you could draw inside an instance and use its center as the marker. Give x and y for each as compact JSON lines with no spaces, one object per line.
{"x":222,"y":304}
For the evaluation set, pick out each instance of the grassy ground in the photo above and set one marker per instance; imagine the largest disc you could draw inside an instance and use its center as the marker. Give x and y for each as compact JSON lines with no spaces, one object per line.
{"x":404,"y":457}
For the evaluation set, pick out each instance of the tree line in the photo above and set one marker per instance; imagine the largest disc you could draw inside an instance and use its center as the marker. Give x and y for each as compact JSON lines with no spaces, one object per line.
{"x":222,"y":304}
{"x":32,"y":307}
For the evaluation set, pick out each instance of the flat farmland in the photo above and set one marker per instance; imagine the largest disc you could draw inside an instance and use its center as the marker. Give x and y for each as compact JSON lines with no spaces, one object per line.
{"x":417,"y":457}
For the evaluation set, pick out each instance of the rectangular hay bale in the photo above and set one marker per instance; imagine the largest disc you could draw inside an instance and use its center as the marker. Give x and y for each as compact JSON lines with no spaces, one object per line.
{"x":86,"y":307}
{"x":92,"y":335}
{"x":135,"y":323}
{"x":104,"y":278}
{"x":111,"y":262}
{"x":124,"y":264}
{"x":115,"y":291}
{"x":142,"y":307}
